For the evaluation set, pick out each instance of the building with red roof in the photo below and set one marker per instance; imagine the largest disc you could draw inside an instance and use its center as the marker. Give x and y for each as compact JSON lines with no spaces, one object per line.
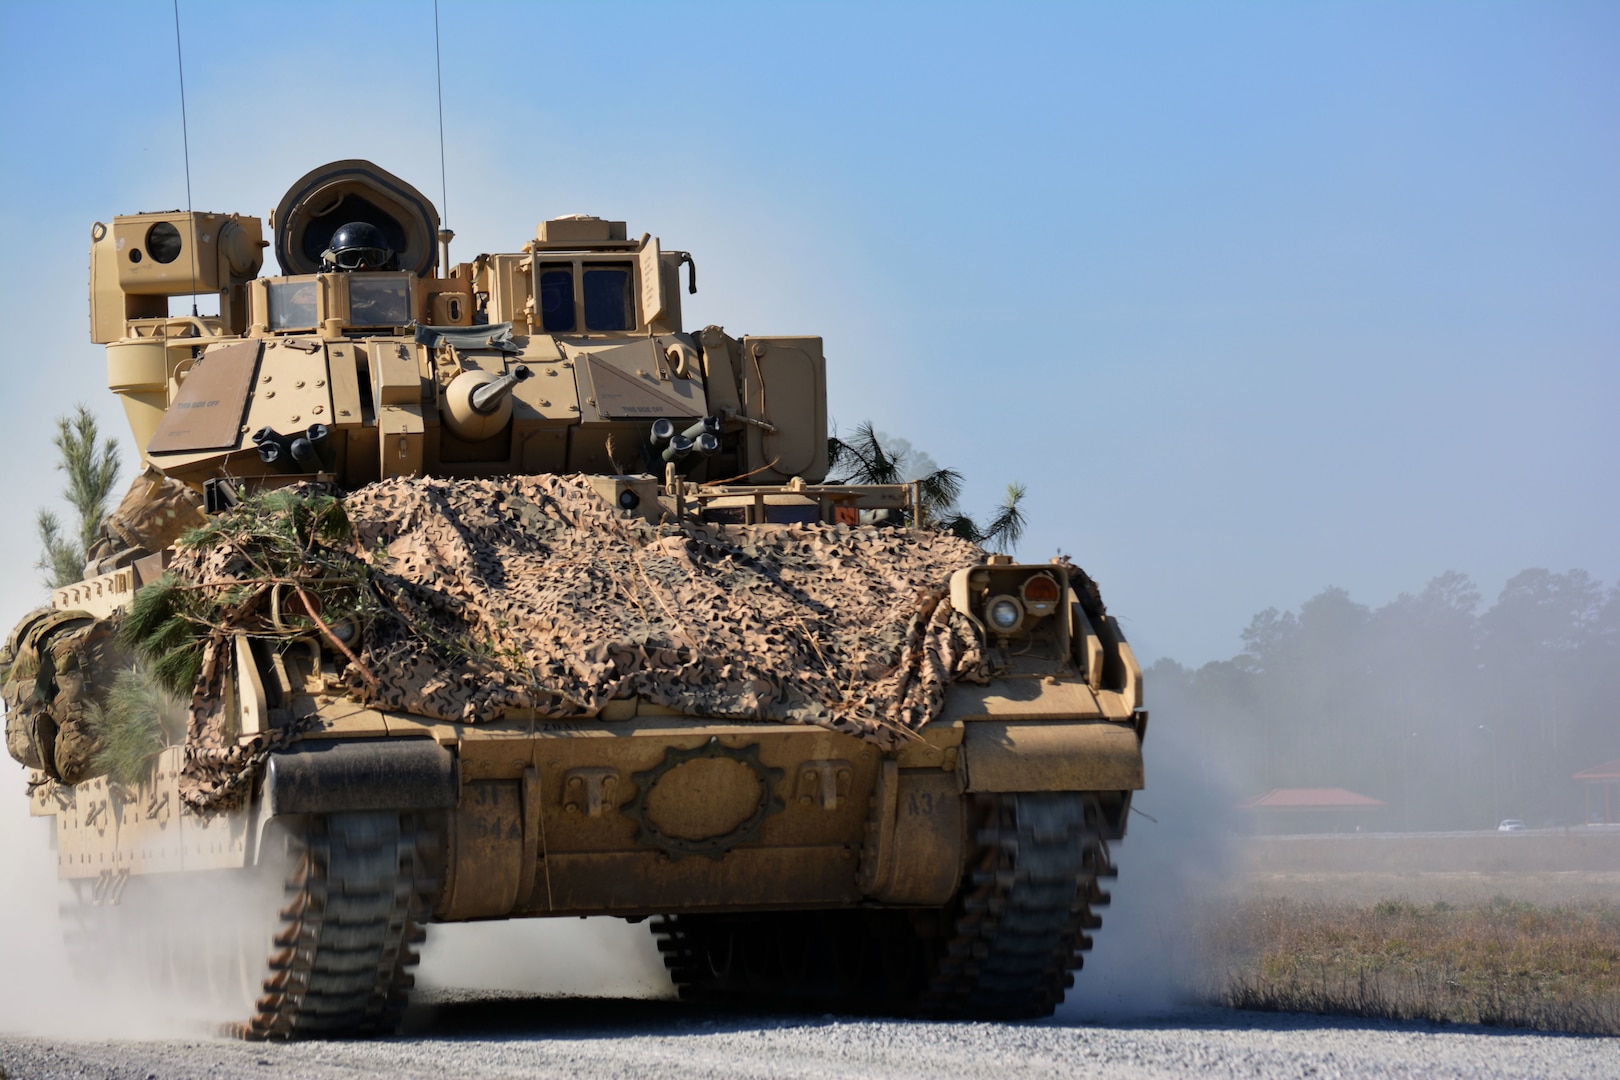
{"x":1311,"y":810}
{"x":1602,"y":785}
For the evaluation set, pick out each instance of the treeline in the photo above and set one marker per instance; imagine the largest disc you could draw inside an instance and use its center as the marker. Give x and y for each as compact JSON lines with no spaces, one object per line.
{"x":1456,"y":718}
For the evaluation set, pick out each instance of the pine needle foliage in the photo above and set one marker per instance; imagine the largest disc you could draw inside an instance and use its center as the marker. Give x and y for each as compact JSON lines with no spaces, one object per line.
{"x":92,"y":465}
{"x":168,"y":632}
{"x":62,"y":560}
{"x":280,"y":545}
{"x":1007,"y":527}
{"x":863,"y":459}
{"x":139,"y":719}
{"x":283,"y":527}
{"x":1004,"y":530}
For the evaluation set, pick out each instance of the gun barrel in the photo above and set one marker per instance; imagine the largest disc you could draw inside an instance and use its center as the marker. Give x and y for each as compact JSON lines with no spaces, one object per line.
{"x":487,"y":398}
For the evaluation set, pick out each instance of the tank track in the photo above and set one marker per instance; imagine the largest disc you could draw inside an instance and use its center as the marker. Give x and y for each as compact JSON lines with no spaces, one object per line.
{"x":1023,"y":919}
{"x":1005,"y":948}
{"x":357,"y":895}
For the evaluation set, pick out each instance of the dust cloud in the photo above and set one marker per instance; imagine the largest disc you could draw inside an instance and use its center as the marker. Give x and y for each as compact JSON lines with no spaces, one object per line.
{"x":129,"y":993}
{"x":37,"y":992}
{"x":40,"y":994}
{"x":174,"y":957}
{"x":1178,"y":858}
{"x":596,"y":957}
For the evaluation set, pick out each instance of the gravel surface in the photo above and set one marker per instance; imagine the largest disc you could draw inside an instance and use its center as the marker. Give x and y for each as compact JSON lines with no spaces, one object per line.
{"x":461,"y":1035}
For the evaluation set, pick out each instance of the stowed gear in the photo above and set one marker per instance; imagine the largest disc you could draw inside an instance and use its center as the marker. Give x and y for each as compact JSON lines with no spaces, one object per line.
{"x":55,"y":672}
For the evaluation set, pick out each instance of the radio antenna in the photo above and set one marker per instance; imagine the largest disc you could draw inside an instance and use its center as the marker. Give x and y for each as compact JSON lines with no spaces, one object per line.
{"x":185,"y":142}
{"x":445,"y":235}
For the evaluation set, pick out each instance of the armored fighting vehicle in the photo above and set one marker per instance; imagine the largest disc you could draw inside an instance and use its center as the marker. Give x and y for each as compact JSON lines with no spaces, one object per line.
{"x":492,"y":591}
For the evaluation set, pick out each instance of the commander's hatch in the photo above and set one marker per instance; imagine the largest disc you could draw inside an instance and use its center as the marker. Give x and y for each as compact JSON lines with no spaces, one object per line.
{"x":333,"y":195}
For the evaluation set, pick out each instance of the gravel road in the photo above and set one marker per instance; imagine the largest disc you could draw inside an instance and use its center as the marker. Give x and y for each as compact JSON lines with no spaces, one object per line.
{"x":485,"y":1036}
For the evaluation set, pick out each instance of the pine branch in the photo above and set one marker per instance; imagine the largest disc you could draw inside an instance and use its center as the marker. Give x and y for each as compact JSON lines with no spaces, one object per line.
{"x":940,"y":490}
{"x":92,"y":466}
{"x":1007,"y":527}
{"x":62,"y":562}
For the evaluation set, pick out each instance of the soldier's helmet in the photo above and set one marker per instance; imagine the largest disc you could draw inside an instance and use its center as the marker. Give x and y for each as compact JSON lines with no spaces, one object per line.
{"x":358,"y":246}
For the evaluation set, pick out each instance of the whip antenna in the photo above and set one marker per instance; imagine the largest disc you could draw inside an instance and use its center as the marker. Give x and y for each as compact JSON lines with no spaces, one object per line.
{"x":445,"y":235}
{"x":185,"y":142}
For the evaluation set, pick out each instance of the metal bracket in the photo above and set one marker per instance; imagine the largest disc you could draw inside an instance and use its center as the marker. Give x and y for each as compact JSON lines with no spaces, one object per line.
{"x":824,"y":783}
{"x":533,"y":834}
{"x":588,"y":790}
{"x":877,"y":852}
{"x":109,"y":887}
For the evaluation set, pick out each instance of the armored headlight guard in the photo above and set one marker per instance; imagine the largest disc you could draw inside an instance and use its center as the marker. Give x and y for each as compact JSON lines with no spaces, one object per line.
{"x":1007,"y":600}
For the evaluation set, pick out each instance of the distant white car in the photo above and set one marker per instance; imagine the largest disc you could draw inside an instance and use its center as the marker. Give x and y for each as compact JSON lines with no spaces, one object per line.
{"x":1510,"y":825}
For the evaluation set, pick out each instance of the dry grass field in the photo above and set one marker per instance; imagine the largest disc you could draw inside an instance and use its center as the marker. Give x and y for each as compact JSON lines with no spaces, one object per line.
{"x":1502,"y":963}
{"x":1539,"y":950}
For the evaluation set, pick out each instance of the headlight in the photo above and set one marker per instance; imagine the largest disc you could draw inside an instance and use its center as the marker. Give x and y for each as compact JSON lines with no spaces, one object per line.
{"x":1005,"y":613}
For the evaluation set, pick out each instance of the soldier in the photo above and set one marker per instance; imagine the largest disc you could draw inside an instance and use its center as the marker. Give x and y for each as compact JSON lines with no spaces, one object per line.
{"x":358,"y":246}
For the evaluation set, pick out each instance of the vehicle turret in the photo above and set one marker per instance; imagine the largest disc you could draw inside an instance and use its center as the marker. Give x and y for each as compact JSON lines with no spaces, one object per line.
{"x":412,"y":365}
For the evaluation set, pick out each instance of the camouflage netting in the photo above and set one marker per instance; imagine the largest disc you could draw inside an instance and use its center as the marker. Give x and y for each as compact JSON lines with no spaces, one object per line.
{"x":532,"y":593}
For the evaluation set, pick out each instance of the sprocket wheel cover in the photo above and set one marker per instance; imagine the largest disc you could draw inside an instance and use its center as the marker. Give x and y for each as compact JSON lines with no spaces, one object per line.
{"x":715,"y":847}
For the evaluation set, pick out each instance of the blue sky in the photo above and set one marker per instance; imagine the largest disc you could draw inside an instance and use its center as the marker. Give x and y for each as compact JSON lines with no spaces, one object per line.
{"x":1254,"y":298}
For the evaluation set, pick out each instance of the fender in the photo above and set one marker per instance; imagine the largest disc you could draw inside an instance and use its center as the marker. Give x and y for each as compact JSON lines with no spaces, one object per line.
{"x":1085,"y":755}
{"x":370,"y":774}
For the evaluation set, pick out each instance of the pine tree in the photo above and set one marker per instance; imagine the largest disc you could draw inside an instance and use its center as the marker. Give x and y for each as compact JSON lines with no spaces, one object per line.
{"x":92,"y":467}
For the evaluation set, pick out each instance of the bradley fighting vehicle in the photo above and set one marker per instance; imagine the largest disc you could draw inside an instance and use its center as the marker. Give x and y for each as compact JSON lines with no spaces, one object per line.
{"x":949,"y":865}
